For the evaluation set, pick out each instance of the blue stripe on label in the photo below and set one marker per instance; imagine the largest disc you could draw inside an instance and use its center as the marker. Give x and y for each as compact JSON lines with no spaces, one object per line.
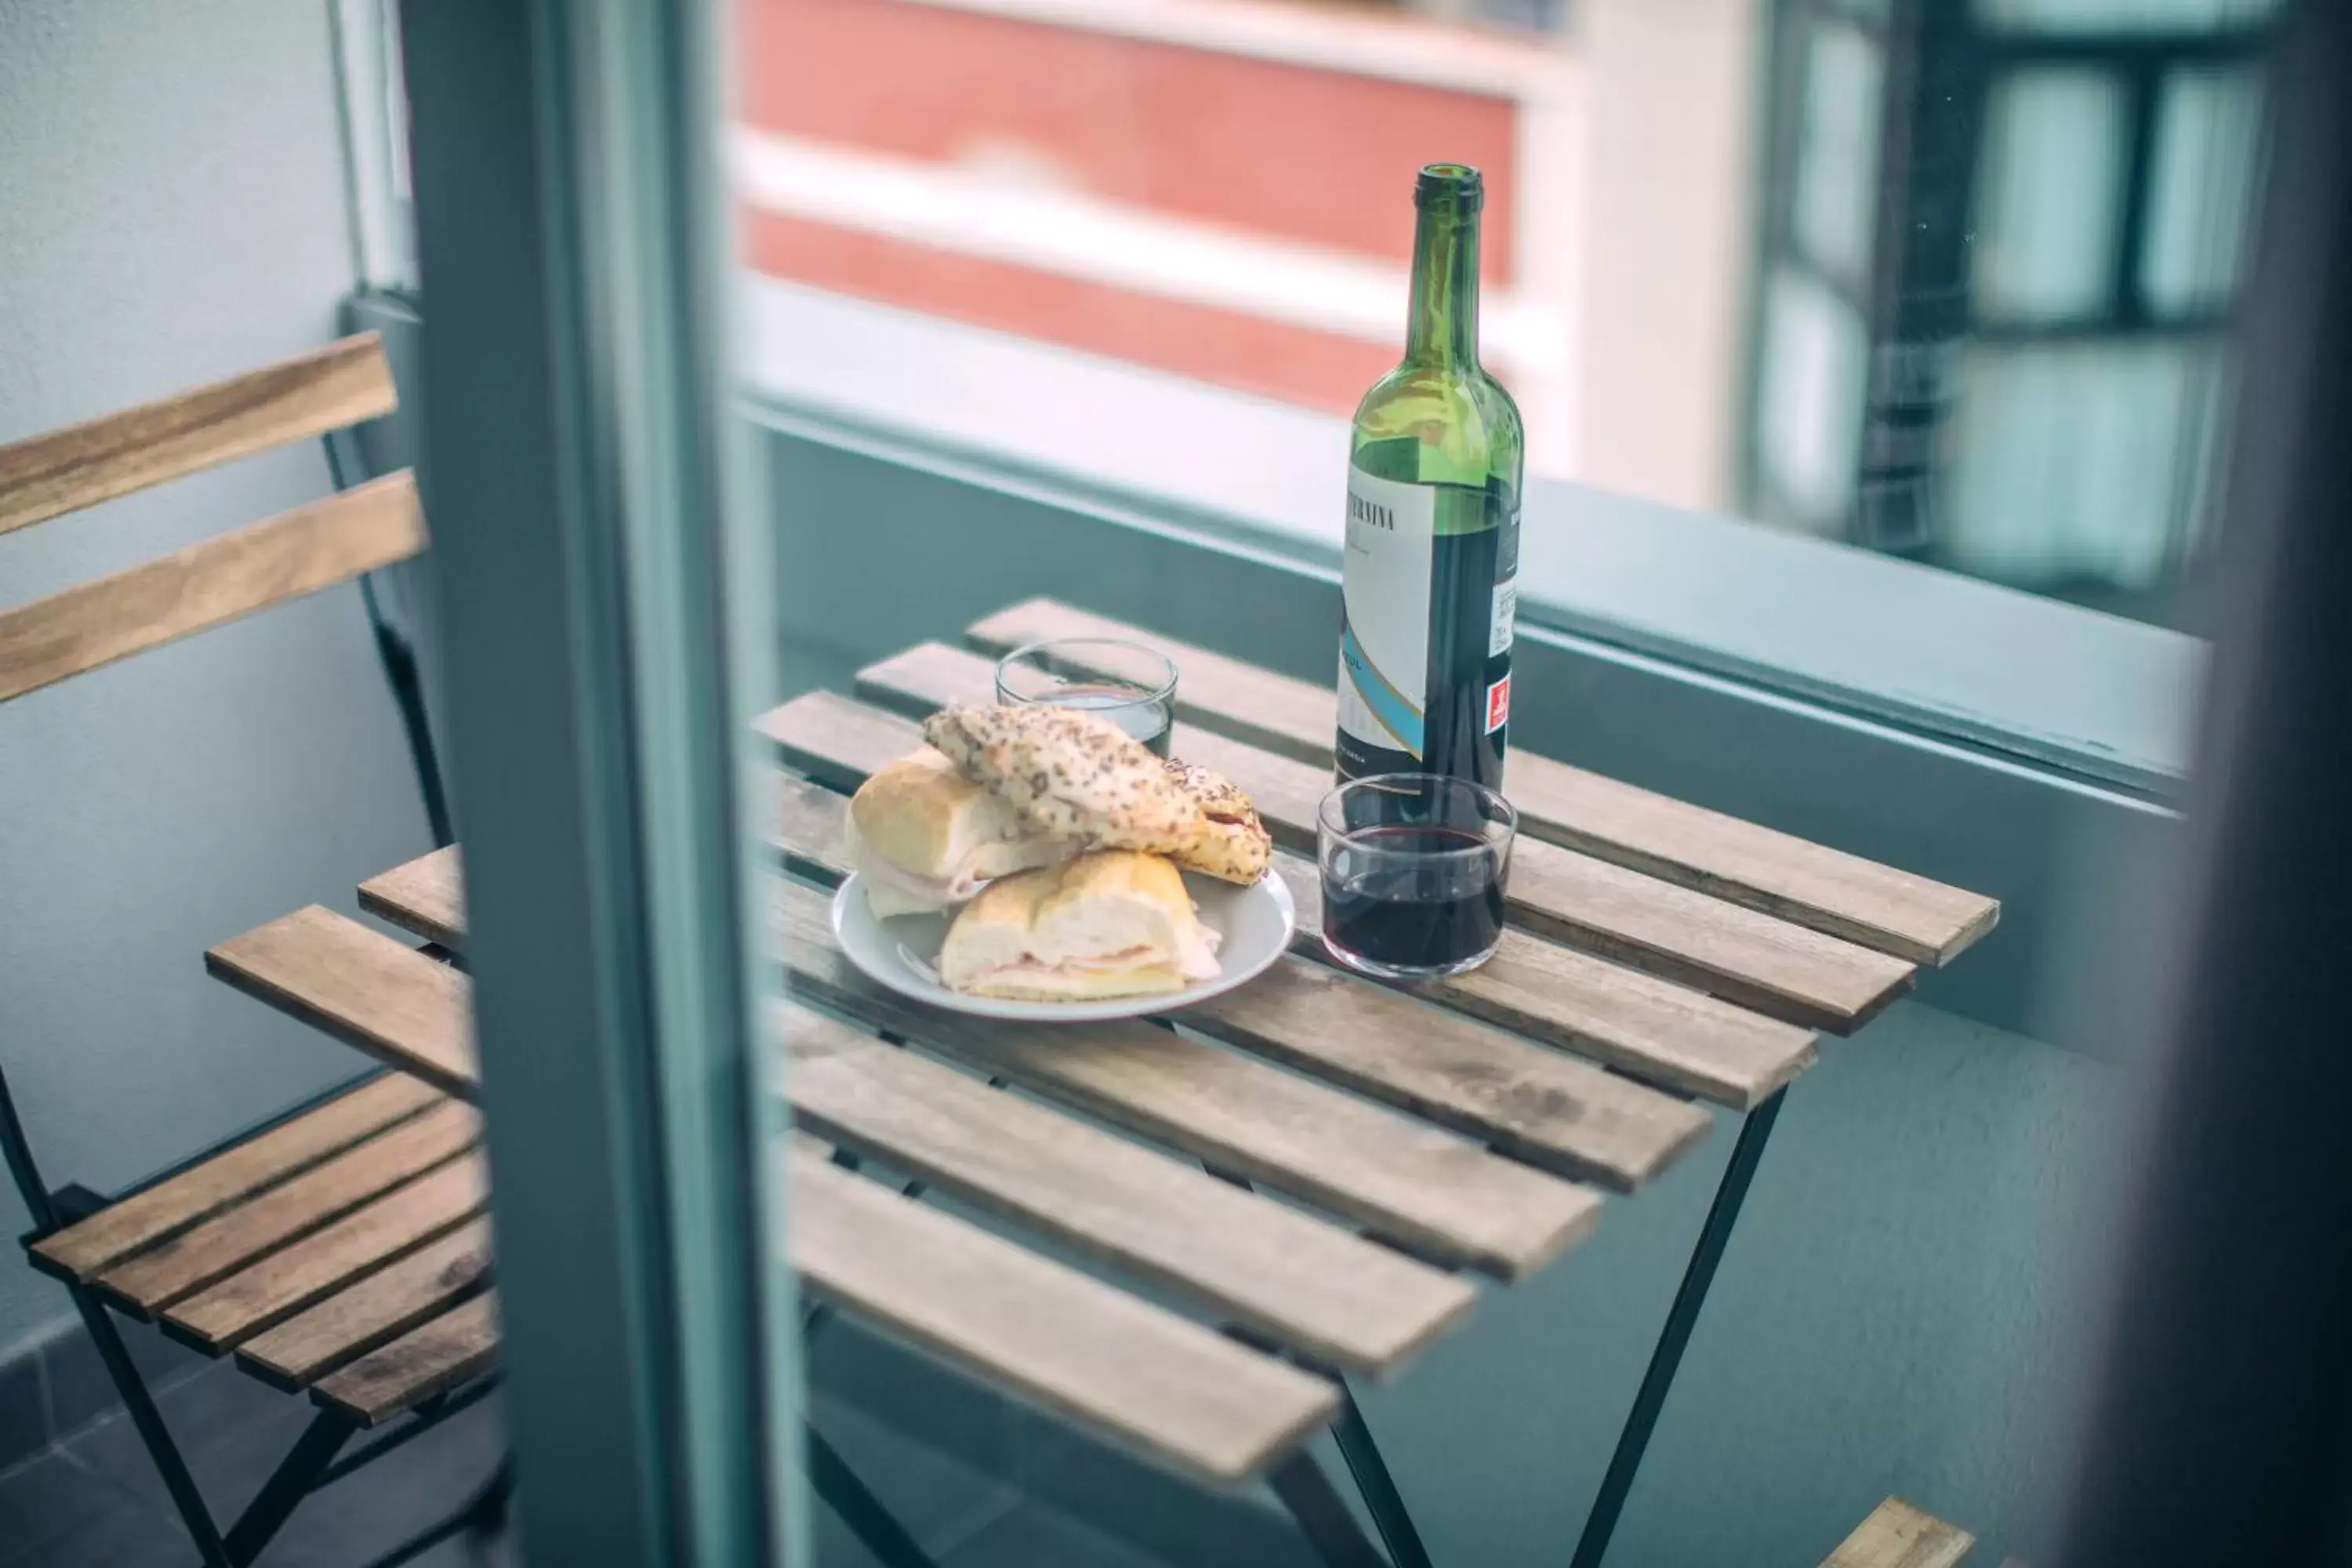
{"x":1401,"y":718}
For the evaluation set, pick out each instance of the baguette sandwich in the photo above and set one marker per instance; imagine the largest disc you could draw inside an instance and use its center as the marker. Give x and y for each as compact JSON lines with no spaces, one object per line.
{"x":1112,"y":922}
{"x":1061,"y":838}
{"x":926,"y":838}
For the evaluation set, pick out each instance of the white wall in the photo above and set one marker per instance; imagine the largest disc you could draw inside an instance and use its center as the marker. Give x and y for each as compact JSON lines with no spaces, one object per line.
{"x":1675,"y":147}
{"x":172,"y":210}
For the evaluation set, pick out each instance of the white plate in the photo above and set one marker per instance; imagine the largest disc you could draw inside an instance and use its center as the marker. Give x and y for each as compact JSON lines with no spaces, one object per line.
{"x":1254,"y":926}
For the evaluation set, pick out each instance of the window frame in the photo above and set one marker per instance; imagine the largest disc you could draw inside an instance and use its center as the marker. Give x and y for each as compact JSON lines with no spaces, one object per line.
{"x":1917,"y":301}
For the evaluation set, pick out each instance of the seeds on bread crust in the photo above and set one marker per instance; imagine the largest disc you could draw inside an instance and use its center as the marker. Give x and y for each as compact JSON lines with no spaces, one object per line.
{"x":1071,"y":774}
{"x":1235,"y":847}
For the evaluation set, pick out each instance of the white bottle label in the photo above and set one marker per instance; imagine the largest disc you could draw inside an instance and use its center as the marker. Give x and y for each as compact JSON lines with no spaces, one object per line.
{"x":1385,"y":584}
{"x":1504,"y":618}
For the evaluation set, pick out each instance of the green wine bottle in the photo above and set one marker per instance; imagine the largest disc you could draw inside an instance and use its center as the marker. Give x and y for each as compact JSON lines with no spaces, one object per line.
{"x":1435,"y":462}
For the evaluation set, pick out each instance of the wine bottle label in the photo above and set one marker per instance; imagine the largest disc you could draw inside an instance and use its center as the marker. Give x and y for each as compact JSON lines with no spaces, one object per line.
{"x":1504,"y":618}
{"x":1385,"y":588}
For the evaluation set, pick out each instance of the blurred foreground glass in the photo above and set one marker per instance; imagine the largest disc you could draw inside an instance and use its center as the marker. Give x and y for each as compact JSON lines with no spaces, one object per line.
{"x":1414,"y":867}
{"x":1130,"y":685}
{"x":1994,"y":319}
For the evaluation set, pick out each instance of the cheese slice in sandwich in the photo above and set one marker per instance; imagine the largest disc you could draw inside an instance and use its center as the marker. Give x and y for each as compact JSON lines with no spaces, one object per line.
{"x":1111,"y":923}
{"x":924,"y":837}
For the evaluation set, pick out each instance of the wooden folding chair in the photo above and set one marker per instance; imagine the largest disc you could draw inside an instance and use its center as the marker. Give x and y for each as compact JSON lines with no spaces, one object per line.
{"x":311,"y":1244}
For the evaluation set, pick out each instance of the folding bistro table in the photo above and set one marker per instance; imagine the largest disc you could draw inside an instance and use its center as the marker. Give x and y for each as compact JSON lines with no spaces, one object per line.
{"x":1658,"y":954}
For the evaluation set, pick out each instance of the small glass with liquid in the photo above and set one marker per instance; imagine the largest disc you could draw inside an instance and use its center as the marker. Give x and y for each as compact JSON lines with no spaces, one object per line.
{"x":1128,"y":684}
{"x":1415,"y":868}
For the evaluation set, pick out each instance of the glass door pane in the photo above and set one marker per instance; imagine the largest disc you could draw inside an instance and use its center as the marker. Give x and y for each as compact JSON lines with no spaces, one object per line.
{"x":607,"y":620}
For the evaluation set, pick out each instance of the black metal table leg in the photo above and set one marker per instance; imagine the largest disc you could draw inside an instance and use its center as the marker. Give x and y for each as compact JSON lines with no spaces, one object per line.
{"x":1321,"y":1514}
{"x":1378,"y":1487}
{"x":1697,"y":1275}
{"x":1354,"y":1435}
{"x":880,"y":1533}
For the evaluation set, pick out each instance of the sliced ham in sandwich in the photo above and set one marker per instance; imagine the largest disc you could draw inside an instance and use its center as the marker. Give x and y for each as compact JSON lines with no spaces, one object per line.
{"x":926,"y":838}
{"x":1110,"y":923}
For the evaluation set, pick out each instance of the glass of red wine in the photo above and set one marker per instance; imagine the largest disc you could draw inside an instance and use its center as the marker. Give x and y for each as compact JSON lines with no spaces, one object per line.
{"x":1128,"y":684}
{"x":1414,"y":866}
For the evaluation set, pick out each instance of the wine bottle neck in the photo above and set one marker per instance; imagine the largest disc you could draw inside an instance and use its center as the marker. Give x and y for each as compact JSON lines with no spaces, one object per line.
{"x":1442,"y":327}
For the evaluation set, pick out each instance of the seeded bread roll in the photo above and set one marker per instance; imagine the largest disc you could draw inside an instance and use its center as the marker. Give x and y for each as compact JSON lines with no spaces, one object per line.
{"x":1235,"y":845}
{"x":1071,"y":776}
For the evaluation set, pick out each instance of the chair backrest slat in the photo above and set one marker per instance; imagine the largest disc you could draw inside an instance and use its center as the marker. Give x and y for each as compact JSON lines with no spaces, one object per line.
{"x":295,"y":553}
{"x":48,"y":476}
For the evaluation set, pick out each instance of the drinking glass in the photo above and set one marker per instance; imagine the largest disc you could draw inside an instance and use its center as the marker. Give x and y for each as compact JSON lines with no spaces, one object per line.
{"x":1132,"y":685}
{"x":1414,"y":867}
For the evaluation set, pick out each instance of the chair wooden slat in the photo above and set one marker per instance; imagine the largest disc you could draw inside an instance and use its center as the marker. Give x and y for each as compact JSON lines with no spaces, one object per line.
{"x":1136,"y":1374}
{"x":1526,"y":1099}
{"x":1790,"y":971}
{"x":1342,"y":1299}
{"x":217,"y":579}
{"x":372,"y":1311}
{"x":1651,"y":1029}
{"x":1178,"y":1391}
{"x":231,"y":1240}
{"x":360,"y":986}
{"x":1911,"y":917}
{"x":453,"y":1348}
{"x":1897,"y":1535}
{"x":273,"y":1288}
{"x":1425,"y":1188}
{"x":65,"y":470}
{"x":90,"y":1246}
{"x":424,"y":895}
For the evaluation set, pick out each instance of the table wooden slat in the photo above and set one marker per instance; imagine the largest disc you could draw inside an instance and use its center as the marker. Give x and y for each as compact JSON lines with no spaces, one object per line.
{"x":372,"y":1311}
{"x":1087,"y":1351}
{"x":1911,"y":917}
{"x":1649,"y":1027}
{"x":1787,"y":971}
{"x":171,"y":1206}
{"x":217,"y":579}
{"x":273,"y":1288}
{"x":455,"y":1347}
{"x":1526,"y":1099}
{"x":65,"y":470}
{"x":364,"y":988}
{"x":231,"y":1240}
{"x":1428,"y":1189}
{"x":1342,"y":1299}
{"x":1897,"y":1535}
{"x":1645,"y":1026}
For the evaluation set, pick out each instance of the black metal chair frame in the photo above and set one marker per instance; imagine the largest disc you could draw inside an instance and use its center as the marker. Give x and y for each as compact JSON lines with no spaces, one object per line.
{"x":311,"y":1463}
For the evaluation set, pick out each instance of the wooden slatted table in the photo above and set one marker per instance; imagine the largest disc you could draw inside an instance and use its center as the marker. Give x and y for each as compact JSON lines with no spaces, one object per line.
{"x":1315,"y":1164}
